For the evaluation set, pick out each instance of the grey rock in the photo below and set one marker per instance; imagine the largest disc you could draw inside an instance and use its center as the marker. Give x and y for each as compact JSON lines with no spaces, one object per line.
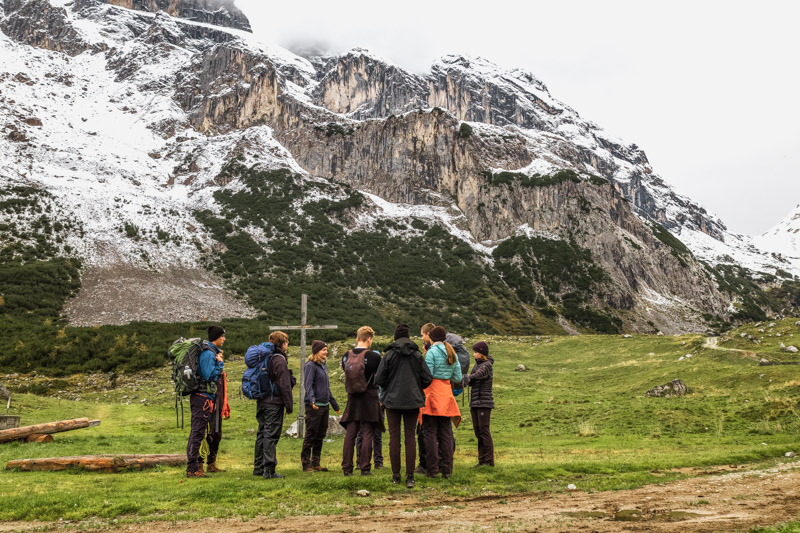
{"x":363,"y":493}
{"x":791,"y":349}
{"x":668,"y":390}
{"x":520,"y":368}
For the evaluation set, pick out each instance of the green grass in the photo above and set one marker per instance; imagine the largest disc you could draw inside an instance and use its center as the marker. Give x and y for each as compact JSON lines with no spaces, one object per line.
{"x":577,"y":415}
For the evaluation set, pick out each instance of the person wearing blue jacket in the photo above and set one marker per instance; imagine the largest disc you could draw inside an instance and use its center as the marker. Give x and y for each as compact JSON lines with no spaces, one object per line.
{"x":203,"y":402}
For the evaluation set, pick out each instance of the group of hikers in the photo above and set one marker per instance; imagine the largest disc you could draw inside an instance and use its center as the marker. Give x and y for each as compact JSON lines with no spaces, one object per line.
{"x":407,"y":387}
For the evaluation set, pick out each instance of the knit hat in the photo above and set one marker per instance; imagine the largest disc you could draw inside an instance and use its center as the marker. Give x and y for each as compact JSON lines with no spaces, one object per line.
{"x":317,"y":346}
{"x":481,"y":348}
{"x":438,"y":334}
{"x":401,"y":331}
{"x":215,"y":332}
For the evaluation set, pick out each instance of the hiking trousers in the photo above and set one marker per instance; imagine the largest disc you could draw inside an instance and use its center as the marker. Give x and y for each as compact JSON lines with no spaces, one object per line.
{"x":439,"y":444}
{"x":408,"y":417}
{"x":316,"y":429}
{"x":367,"y":430}
{"x":270,"y":423}
{"x":377,"y":444}
{"x":481,"y":418}
{"x":201,"y":409}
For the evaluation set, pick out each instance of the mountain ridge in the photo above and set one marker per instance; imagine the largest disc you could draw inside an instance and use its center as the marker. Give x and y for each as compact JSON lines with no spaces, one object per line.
{"x":207,"y":108}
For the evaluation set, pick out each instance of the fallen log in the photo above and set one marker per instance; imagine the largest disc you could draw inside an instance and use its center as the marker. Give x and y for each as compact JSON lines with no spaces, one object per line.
{"x":39,"y":438}
{"x":103,"y":463}
{"x":7,"y":435}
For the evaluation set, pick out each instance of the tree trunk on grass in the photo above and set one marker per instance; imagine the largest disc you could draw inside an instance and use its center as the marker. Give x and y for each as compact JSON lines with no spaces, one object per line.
{"x":7,"y":435}
{"x":104,"y":463}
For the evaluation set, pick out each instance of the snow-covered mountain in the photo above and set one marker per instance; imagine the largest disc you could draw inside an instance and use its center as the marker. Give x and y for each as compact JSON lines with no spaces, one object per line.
{"x":784,"y":239}
{"x":130,"y":119}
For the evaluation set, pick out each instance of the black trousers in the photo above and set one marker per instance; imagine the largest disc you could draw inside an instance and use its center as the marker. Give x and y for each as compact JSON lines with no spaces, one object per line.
{"x":367,"y":430}
{"x":377,"y":444}
{"x":201,"y":408}
{"x":423,"y":463}
{"x":270,"y":424}
{"x":439,"y":444}
{"x":408,"y":417}
{"x":481,"y":419}
{"x":316,"y":429}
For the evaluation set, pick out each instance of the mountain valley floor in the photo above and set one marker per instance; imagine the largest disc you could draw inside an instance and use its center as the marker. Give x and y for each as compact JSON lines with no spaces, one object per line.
{"x":713,"y":460}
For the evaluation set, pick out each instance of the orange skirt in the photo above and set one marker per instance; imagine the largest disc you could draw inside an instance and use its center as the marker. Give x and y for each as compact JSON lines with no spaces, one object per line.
{"x":439,"y":401}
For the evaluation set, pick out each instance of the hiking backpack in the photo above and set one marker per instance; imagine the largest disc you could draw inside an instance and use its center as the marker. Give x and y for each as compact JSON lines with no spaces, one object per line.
{"x":185,"y":357}
{"x":461,"y":352}
{"x":256,"y":384}
{"x":354,"y":372}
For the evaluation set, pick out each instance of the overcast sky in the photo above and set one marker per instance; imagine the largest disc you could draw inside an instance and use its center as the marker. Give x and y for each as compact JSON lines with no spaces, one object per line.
{"x":709,"y":89}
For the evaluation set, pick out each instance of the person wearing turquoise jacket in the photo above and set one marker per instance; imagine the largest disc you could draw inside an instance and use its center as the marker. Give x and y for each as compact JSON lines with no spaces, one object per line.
{"x":440,"y":406}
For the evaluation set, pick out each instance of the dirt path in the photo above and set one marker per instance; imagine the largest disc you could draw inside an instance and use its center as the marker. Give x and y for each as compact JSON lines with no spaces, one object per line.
{"x":712,"y":343}
{"x":726,"y":499}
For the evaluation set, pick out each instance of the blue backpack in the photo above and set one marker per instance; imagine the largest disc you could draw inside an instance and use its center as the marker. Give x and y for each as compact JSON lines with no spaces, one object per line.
{"x":256,"y":384}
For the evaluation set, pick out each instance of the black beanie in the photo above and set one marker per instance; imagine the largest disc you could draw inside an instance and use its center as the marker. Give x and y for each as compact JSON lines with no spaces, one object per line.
{"x":481,"y":348}
{"x":215,"y":332}
{"x":401,"y":331}
{"x":438,"y":334}
{"x":317,"y":346}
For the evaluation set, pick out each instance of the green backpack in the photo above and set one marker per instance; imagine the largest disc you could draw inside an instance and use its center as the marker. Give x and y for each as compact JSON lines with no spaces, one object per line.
{"x":186,"y":376}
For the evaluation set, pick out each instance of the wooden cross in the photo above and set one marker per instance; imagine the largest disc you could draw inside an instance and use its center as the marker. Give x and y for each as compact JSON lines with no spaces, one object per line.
{"x":303,"y":327}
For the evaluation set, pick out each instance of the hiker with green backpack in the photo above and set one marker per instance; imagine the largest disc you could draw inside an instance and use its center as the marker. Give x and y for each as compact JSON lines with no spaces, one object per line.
{"x":203,"y":402}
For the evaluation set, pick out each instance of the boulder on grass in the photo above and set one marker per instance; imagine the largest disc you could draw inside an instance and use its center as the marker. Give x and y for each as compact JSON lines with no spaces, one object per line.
{"x":668,"y":390}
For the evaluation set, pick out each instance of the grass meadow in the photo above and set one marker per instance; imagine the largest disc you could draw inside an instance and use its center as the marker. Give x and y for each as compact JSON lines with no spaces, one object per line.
{"x":577,"y":414}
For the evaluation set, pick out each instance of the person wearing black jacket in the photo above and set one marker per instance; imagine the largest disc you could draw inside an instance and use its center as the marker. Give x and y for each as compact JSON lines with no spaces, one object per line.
{"x":482,"y":402}
{"x":402,"y":377}
{"x":270,"y":410}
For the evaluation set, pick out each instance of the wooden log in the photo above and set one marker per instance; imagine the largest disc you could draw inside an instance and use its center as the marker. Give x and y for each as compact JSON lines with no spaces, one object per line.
{"x":39,"y":438}
{"x":46,"y":428}
{"x":104,"y":463}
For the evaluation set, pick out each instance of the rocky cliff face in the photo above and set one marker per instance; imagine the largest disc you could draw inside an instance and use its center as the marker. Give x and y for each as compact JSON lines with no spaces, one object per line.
{"x":217,"y":12}
{"x":489,"y":154}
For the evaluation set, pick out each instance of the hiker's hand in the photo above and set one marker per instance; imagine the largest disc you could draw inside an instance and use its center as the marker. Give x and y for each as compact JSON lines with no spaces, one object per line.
{"x":314,"y":407}
{"x":338,"y":412}
{"x":219,"y":357}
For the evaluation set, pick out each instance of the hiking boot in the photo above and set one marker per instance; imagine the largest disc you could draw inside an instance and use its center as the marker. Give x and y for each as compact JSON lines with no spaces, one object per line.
{"x":196,"y":473}
{"x":366,"y":473}
{"x":378,"y":467}
{"x":410,"y":482}
{"x":347,"y":474}
{"x":309,"y":469}
{"x":395,"y":479}
{"x":273,"y":475}
{"x":420,"y":470}
{"x":319,"y":468}
{"x":446,"y":476}
{"x":213,"y":468}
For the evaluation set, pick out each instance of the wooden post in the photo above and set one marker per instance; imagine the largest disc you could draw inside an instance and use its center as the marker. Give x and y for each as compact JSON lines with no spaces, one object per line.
{"x":105,"y":463}
{"x":47,"y":428}
{"x":301,"y":430}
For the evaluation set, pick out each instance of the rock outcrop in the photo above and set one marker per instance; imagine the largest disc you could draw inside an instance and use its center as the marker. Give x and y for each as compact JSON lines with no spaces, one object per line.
{"x":217,"y":12}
